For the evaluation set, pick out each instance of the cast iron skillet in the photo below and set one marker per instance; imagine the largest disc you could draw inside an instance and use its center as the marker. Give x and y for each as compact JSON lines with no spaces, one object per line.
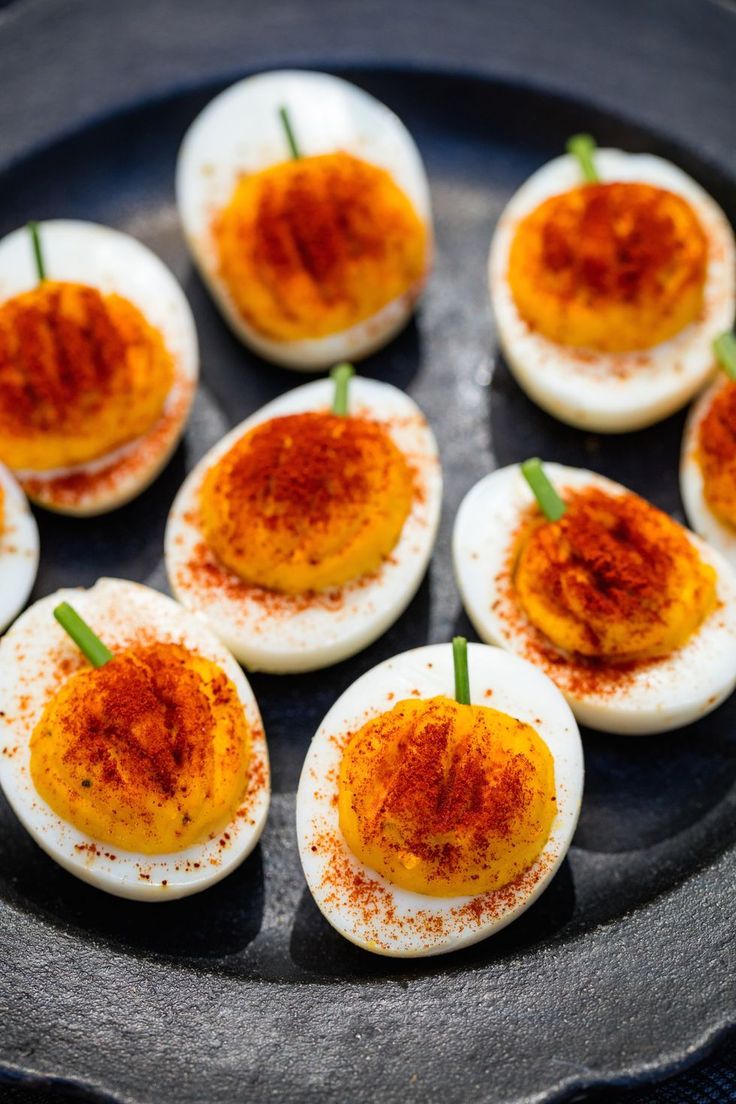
{"x":623,"y":970}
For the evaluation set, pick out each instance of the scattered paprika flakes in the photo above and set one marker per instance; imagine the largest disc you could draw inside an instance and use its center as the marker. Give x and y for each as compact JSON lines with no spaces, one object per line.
{"x":716,"y":453}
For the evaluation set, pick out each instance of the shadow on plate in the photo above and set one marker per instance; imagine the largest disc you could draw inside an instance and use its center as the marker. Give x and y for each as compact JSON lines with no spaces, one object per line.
{"x":219,"y":922}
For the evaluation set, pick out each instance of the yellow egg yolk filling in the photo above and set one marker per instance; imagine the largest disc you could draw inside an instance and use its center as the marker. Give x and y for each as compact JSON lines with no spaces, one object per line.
{"x":307,"y":502}
{"x":716,"y":454}
{"x":310,"y":247}
{"x":446,"y":799}
{"x":148,"y":753}
{"x":610,"y":267}
{"x":81,"y":373}
{"x":614,"y":578}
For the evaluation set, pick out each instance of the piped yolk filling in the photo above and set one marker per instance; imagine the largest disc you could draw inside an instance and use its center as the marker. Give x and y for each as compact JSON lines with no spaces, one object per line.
{"x":310,"y":247}
{"x":81,"y":373}
{"x":614,"y":578}
{"x":446,"y":799}
{"x":307,"y":502}
{"x":611,"y":267}
{"x":716,"y":454}
{"x":148,"y":753}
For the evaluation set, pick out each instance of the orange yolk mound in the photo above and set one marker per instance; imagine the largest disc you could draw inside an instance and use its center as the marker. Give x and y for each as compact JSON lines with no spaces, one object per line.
{"x":717,"y":454}
{"x":81,"y":373}
{"x":148,"y":753}
{"x":614,"y":578}
{"x":446,"y":799}
{"x":307,"y":502}
{"x":611,"y":267}
{"x":312,"y":246}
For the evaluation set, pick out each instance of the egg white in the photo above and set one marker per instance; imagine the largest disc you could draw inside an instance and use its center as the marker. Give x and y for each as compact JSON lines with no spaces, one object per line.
{"x":120,"y":613}
{"x":299,"y":635}
{"x":18,"y":549}
{"x":240,"y":132}
{"x":656,"y":696}
{"x":614,"y":392}
{"x":394,"y":921}
{"x":699,"y":514}
{"x":111,"y":261}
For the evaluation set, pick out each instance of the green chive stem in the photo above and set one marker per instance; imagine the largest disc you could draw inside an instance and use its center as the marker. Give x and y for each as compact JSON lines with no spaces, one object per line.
{"x":341,"y":374}
{"x":80,"y":632}
{"x":582,"y":146}
{"x":725,"y":349}
{"x":37,"y":251}
{"x":289,"y":132}
{"x":547,"y":497}
{"x":460,"y":661}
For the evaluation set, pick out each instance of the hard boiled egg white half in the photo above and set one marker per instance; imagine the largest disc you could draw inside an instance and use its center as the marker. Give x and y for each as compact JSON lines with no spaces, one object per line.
{"x":240,"y":133}
{"x":18,"y":548}
{"x":36,"y":658}
{"x":112,"y":262}
{"x":611,"y":392}
{"x":270,"y":631}
{"x":653,"y":696}
{"x":361,"y":904}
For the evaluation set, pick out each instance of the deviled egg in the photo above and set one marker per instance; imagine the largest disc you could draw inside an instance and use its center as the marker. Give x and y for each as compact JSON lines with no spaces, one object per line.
{"x":306,"y":208}
{"x":98,"y":364}
{"x":438,"y":798}
{"x":708,"y":459}
{"x":610,"y":275}
{"x":18,"y":548}
{"x":307,"y":530}
{"x":131,"y":746}
{"x":632,"y":616}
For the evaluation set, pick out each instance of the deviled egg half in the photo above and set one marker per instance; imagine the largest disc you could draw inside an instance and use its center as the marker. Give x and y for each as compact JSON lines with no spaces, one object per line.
{"x":18,"y":548}
{"x":610,"y":275}
{"x":131,"y":746}
{"x":98,"y":364}
{"x":632,"y":615}
{"x":304,"y":534}
{"x":708,"y":458}
{"x":306,"y":207}
{"x":438,"y":798}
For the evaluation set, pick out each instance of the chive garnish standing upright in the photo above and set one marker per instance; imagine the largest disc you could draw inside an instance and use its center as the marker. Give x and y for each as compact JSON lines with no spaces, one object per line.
{"x":289,"y":132}
{"x":460,"y":662}
{"x":37,"y":251}
{"x":96,"y":652}
{"x":583,"y":147}
{"x":341,"y":374}
{"x":547,"y":497}
{"x":724,"y":347}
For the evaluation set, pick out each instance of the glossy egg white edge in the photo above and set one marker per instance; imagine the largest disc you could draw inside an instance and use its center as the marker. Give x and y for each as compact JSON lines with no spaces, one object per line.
{"x":240,"y":132}
{"x":400,"y":923}
{"x":18,"y":549}
{"x":659,"y":696}
{"x":721,"y":536}
{"x":614,"y":392}
{"x":299,"y":638}
{"x":118,"y":611}
{"x":112,"y":262}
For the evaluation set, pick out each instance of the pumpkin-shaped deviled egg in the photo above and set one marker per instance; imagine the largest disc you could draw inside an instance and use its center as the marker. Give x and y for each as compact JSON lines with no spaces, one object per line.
{"x":438,"y":798}
{"x":98,"y":364}
{"x":632,"y":615}
{"x":610,"y":275}
{"x":708,"y":460}
{"x":131,"y":746}
{"x":306,"y":207}
{"x":307,"y":530}
{"x":18,"y":548}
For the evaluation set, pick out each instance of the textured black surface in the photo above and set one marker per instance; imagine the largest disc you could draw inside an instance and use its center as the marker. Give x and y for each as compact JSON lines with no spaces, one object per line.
{"x":625,"y":967}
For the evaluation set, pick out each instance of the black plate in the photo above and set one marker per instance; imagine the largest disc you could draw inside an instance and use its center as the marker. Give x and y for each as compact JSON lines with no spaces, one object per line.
{"x":623,"y":970}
